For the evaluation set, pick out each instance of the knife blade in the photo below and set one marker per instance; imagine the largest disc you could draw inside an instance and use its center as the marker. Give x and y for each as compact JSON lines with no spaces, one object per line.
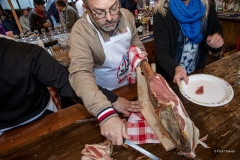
{"x":140,"y":149}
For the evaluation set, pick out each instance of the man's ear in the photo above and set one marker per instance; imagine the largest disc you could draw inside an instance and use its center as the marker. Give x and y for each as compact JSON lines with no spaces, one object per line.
{"x":84,"y":6}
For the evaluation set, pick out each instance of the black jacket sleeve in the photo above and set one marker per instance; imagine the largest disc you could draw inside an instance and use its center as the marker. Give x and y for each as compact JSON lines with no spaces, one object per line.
{"x":112,"y":97}
{"x":52,"y":74}
{"x":131,"y":5}
{"x":214,"y":25}
{"x":166,"y":30}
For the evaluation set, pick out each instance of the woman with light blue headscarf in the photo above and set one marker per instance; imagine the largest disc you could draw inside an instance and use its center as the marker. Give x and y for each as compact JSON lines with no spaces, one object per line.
{"x":184,"y":33}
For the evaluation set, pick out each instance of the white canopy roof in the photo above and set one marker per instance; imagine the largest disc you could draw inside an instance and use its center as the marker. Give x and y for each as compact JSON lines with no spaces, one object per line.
{"x":23,"y":4}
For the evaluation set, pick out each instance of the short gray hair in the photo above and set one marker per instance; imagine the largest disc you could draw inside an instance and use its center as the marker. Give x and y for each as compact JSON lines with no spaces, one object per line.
{"x":61,"y":3}
{"x":85,"y":2}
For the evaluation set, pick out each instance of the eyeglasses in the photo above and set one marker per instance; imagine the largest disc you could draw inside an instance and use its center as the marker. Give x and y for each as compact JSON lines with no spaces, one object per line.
{"x":102,"y":14}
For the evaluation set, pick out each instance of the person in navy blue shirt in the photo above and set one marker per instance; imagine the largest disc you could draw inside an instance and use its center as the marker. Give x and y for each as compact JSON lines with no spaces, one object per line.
{"x":9,"y":24}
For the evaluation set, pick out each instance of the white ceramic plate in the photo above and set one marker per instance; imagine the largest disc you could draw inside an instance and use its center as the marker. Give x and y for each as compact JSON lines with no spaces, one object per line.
{"x":217,"y":92}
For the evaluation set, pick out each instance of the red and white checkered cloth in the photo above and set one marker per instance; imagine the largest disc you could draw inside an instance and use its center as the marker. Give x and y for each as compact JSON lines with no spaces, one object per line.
{"x":135,"y":56}
{"x":139,"y":131}
{"x":137,"y":127}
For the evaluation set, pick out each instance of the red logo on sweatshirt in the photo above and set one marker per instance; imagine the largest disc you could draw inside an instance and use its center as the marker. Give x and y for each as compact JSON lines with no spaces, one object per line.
{"x":123,"y":69}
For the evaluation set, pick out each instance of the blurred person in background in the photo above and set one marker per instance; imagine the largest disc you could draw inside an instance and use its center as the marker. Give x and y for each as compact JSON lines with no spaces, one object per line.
{"x":52,"y":12}
{"x":123,"y":4}
{"x":9,"y":24}
{"x":62,"y":20}
{"x":29,"y":9}
{"x":2,"y":30}
{"x":131,"y":5}
{"x":38,"y":17}
{"x":70,"y":15}
{"x":184,"y":33}
{"x":1,"y":14}
{"x":24,"y":21}
{"x":141,"y":3}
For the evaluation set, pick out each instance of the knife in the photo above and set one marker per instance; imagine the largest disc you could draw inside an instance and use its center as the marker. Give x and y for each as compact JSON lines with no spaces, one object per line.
{"x":140,"y":149}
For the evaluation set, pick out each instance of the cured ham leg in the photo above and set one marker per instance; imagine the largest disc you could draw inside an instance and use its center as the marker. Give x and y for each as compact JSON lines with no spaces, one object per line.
{"x":172,"y":114}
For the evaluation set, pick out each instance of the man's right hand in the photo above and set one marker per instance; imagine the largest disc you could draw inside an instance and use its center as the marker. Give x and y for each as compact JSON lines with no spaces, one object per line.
{"x":114,"y":130}
{"x":180,"y":74}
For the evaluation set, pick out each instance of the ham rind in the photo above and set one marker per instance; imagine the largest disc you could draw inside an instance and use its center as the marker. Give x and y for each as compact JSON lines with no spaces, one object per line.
{"x":174,"y":117}
{"x":101,"y":151}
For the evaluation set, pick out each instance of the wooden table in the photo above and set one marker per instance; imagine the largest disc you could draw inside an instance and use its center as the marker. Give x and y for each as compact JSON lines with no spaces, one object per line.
{"x":61,"y":136}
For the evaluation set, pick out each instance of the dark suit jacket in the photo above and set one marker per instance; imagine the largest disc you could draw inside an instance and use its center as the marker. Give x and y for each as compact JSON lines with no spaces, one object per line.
{"x":131,"y":5}
{"x":140,"y":3}
{"x":70,"y":16}
{"x":10,"y":25}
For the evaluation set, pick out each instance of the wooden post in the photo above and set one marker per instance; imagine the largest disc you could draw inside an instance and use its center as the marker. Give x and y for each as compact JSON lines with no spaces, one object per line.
{"x":15,"y":16}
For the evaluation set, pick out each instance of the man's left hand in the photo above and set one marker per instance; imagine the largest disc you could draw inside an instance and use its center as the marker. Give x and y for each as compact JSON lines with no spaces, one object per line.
{"x":126,"y":107}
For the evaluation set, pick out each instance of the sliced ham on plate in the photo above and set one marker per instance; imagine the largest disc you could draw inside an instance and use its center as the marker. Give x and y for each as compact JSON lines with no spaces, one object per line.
{"x":200,"y":90}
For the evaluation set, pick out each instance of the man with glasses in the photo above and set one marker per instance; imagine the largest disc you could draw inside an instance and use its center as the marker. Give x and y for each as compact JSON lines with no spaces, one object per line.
{"x":70,"y":15}
{"x":99,"y":44}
